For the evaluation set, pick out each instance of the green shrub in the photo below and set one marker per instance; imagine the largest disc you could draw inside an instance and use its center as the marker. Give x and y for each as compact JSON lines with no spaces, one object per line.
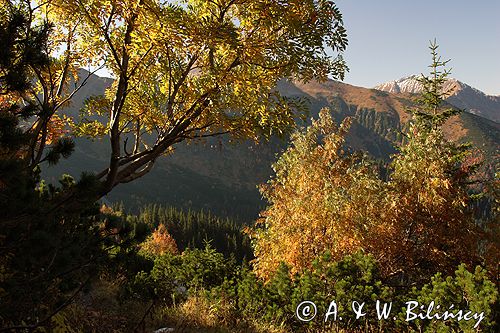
{"x":174,"y":276}
{"x":355,"y":278}
{"x":466,"y":290}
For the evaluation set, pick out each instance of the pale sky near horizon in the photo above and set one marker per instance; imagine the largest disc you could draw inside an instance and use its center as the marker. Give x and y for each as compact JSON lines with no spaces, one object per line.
{"x":389,"y":39}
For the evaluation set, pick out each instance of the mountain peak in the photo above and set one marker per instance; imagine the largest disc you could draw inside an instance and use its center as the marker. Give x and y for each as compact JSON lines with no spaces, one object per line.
{"x":410,"y":84}
{"x":460,"y":95}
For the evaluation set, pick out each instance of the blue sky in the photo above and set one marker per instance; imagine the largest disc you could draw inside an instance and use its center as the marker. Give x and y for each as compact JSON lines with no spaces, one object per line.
{"x":389,"y":39}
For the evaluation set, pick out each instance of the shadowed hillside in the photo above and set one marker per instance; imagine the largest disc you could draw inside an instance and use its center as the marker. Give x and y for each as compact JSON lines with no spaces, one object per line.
{"x":223,"y":175}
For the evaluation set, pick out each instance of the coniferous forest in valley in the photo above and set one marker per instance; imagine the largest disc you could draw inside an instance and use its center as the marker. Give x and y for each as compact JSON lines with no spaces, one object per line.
{"x":225,"y":180}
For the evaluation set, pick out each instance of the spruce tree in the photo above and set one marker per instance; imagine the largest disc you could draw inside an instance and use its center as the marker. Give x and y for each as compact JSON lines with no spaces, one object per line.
{"x":431,"y":224}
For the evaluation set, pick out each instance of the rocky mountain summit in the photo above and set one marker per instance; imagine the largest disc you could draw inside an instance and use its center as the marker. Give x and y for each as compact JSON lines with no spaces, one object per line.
{"x":461,"y":95}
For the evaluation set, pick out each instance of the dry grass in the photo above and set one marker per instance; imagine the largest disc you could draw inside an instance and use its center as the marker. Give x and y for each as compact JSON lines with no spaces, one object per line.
{"x":198,"y":314}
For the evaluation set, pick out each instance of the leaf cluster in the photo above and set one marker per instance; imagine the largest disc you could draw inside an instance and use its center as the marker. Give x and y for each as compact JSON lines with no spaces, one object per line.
{"x":418,"y":220}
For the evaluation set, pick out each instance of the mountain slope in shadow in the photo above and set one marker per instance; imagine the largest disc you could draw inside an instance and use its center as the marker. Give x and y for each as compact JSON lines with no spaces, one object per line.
{"x":220,"y":175}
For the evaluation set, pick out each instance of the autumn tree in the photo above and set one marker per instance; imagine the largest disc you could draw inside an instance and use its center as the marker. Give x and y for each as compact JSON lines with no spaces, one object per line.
{"x":160,"y":242}
{"x":418,"y":222}
{"x":183,"y":71}
{"x":321,"y":199}
{"x":431,"y":224}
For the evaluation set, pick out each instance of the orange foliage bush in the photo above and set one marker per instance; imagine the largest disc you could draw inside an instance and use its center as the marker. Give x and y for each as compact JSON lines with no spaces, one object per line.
{"x":321,"y":199}
{"x":416,"y":223}
{"x":160,"y":242}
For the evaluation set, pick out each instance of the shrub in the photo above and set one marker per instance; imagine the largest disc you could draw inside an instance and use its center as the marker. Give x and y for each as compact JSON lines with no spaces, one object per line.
{"x":354,"y":278}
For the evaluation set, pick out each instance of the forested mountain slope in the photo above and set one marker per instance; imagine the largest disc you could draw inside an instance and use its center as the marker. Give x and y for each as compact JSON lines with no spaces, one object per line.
{"x":222,"y":175}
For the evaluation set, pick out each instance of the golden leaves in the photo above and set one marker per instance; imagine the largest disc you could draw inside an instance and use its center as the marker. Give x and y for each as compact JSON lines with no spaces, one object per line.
{"x":56,"y":128}
{"x":174,"y":54}
{"x":160,"y":242}
{"x":319,"y":200}
{"x":324,"y":199}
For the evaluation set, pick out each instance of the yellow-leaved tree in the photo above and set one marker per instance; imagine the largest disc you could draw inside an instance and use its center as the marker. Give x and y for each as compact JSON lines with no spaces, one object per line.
{"x":418,"y":222}
{"x":160,"y":242}
{"x":321,"y":199}
{"x":184,"y":70}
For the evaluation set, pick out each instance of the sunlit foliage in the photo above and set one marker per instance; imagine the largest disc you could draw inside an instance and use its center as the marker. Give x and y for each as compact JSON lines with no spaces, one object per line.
{"x":416,"y":223}
{"x":184,"y":70}
{"x":160,"y":242}
{"x":322,"y":198}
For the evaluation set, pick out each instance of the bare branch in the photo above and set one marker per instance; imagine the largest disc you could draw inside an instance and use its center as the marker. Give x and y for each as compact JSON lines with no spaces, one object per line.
{"x":84,"y":82}
{"x":138,"y":174}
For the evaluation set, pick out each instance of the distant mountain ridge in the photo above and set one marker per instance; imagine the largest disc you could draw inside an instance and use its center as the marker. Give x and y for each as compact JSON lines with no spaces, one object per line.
{"x":461,"y":96}
{"x":222,"y":177}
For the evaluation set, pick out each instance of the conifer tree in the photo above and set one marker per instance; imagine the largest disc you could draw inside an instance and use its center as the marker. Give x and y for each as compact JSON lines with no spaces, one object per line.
{"x":431,"y":224}
{"x":45,"y":260}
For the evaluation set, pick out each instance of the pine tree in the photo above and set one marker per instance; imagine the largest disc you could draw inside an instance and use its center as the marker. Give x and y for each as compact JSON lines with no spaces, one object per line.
{"x":45,"y":259}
